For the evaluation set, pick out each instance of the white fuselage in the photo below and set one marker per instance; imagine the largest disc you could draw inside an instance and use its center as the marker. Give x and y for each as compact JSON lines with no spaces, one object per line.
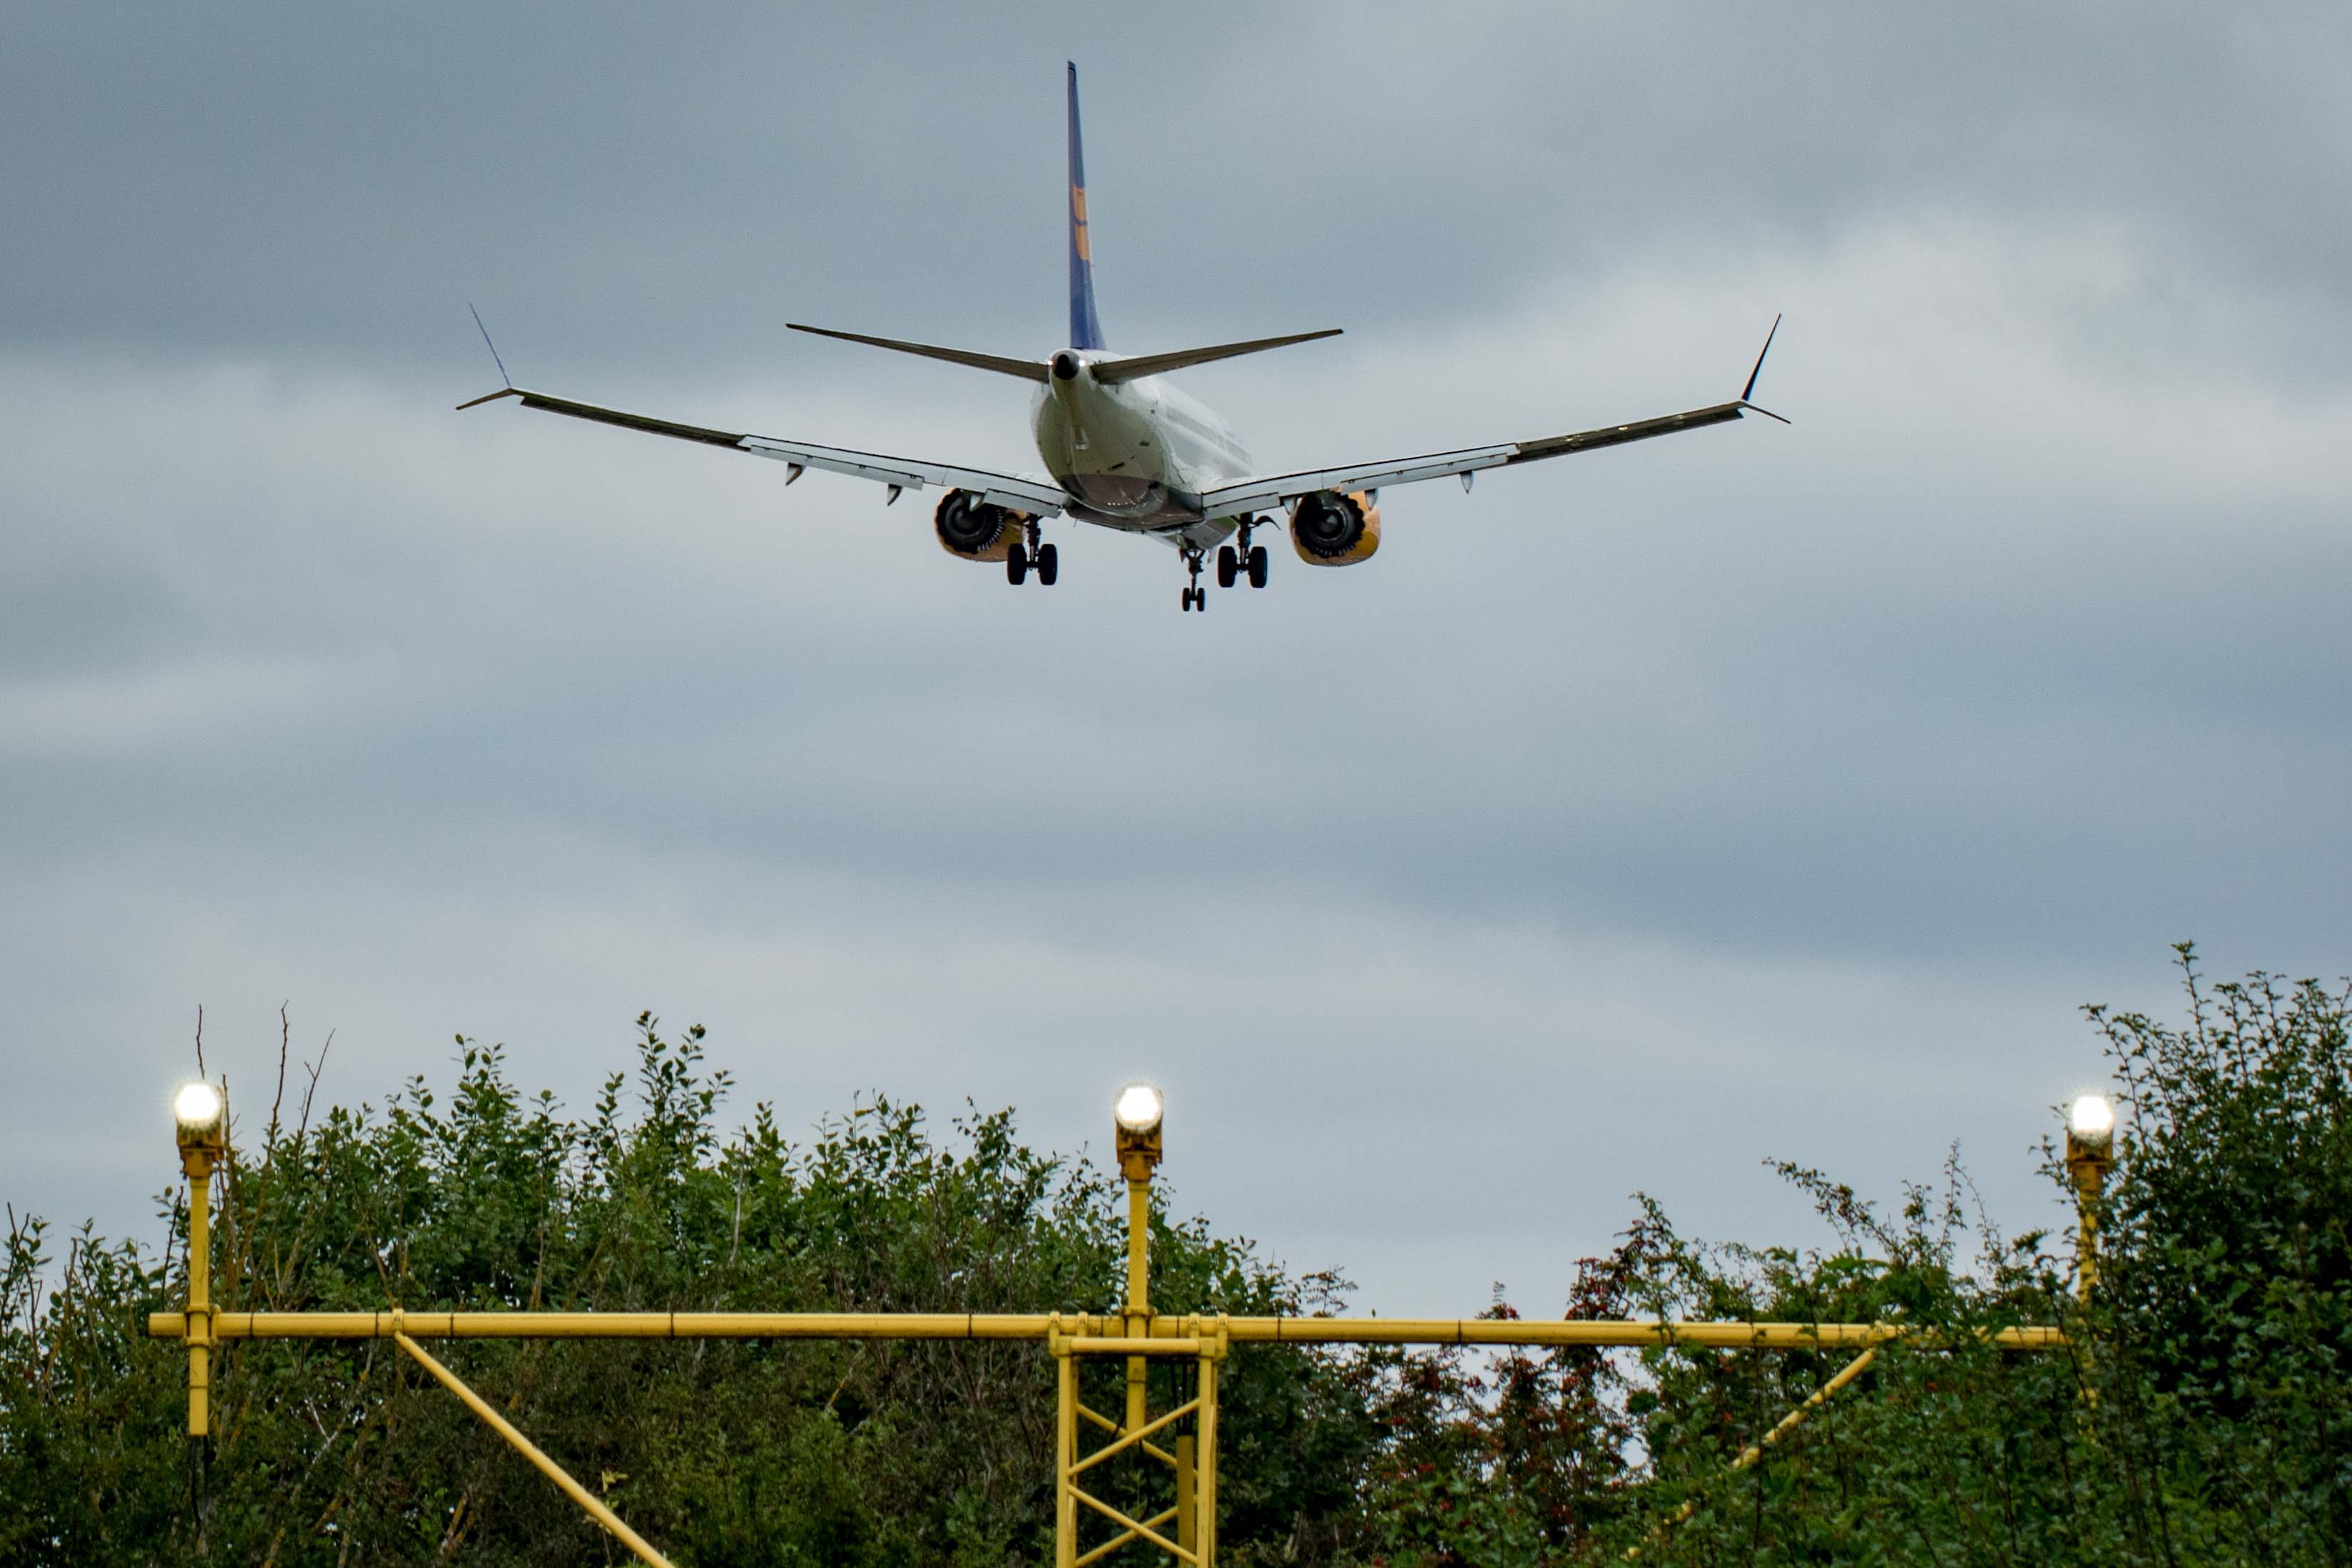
{"x":1136,"y":456}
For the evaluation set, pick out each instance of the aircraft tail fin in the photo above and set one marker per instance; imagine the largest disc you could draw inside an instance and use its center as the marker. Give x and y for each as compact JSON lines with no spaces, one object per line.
{"x":1085,"y":330}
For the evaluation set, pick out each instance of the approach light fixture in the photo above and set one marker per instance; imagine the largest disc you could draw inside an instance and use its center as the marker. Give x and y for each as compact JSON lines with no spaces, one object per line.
{"x":2090,"y":1154}
{"x":197,"y":1109}
{"x":1136,"y":1114}
{"x":1139,"y":1107}
{"x":2091,"y":1122}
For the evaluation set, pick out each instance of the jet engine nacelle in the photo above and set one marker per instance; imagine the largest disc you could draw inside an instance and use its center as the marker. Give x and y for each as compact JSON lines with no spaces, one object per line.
{"x":1332,"y":529}
{"x":970,"y":528}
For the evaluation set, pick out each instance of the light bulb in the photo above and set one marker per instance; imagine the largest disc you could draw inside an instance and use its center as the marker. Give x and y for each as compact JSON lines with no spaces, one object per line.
{"x":197,"y":1108}
{"x":1139,"y":1107}
{"x":2091,"y":1120}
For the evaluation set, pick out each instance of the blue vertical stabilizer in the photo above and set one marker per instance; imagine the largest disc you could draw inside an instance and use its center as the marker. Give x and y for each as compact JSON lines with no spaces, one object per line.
{"x":1085,"y":331}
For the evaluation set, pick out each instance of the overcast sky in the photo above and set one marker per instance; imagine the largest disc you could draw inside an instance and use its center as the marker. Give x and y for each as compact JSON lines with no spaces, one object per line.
{"x":1763,"y":792}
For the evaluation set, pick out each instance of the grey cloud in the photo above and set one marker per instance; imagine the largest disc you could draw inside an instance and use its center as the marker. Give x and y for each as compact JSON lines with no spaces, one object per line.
{"x":1775,"y":790}
{"x":631,"y":190}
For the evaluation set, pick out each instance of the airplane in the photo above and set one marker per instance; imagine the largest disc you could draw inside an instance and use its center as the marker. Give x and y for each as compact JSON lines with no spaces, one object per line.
{"x":1125,"y":450}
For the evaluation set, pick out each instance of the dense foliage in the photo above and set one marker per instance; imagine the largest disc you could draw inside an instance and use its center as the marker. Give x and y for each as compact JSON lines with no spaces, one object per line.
{"x":2202,"y":1414}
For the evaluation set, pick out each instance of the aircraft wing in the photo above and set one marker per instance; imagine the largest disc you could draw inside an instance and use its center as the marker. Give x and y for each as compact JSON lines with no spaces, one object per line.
{"x":1272,"y":490}
{"x":1019,"y":492}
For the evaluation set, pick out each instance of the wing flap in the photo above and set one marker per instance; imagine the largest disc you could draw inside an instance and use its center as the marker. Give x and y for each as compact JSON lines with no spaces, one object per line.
{"x":1253,"y":495}
{"x":999,"y":489}
{"x":1618,"y":435}
{"x":621,"y":417}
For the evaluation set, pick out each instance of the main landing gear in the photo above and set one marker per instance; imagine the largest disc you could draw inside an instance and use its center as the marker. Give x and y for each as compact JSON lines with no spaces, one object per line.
{"x":1242,"y":558}
{"x":1043,"y":557}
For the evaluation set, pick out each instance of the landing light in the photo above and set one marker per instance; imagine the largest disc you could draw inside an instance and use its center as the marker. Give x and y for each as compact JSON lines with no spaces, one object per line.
{"x":1139,"y":1107}
{"x":2091,"y":1122}
{"x":197,"y":1109}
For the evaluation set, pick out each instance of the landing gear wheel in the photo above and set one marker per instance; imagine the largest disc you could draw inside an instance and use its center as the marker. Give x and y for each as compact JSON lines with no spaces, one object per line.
{"x":1016,"y":566}
{"x":1195,"y":596}
{"x":1049,"y":564}
{"x":1257,"y":566}
{"x":1229,"y":565}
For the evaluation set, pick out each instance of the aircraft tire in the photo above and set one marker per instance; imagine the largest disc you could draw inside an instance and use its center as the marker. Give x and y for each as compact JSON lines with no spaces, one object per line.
{"x":1016,"y":566}
{"x":1228,"y":566}
{"x":1049,"y":564}
{"x":1257,"y":565}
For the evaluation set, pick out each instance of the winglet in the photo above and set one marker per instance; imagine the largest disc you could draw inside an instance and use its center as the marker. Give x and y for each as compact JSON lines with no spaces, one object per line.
{"x":1749,"y":390}
{"x":509,"y":390}
{"x":495,"y":357}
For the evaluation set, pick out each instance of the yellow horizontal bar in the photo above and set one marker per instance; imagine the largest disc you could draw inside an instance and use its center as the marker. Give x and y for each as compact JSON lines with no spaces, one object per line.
{"x":613,"y":1325}
{"x":1634,"y":1331}
{"x":1085,"y":1335}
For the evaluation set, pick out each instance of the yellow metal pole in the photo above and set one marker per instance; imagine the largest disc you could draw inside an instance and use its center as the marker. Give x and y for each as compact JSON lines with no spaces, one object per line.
{"x":1139,"y":1290}
{"x":1138,"y":1245}
{"x":1065,"y":1455}
{"x":1136,"y":1134}
{"x":198,"y":1163}
{"x":1187,"y":1525}
{"x":200,"y":1113}
{"x":2088,"y":1166}
{"x":546,"y":1467}
{"x":1204,"y":1481}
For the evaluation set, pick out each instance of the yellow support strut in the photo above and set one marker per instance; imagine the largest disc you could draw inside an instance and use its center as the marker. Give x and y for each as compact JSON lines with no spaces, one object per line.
{"x":1754,"y":1452}
{"x":547,"y":1466}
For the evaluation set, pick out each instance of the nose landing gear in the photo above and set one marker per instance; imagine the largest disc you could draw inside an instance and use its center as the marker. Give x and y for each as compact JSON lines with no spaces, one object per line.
{"x":1235,"y":560}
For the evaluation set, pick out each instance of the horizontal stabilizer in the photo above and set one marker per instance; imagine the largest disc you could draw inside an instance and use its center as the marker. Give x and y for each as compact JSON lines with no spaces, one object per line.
{"x":1140,"y":365}
{"x":1028,"y":370}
